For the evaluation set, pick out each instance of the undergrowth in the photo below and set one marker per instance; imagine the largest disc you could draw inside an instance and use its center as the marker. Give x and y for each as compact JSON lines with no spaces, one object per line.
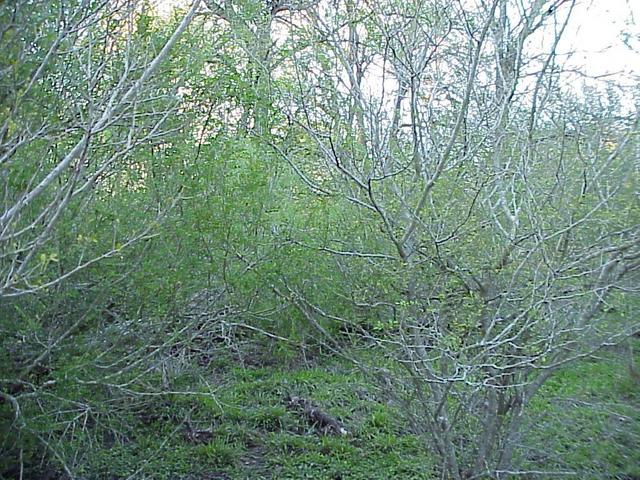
{"x":585,"y":420}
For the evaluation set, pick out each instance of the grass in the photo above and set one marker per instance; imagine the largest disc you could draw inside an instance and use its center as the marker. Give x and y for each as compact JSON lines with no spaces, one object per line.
{"x":586,"y":419}
{"x":255,"y":436}
{"x":588,"y":415}
{"x":252,"y":412}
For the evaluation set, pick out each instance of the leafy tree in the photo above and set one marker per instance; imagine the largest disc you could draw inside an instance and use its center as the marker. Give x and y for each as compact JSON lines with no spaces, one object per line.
{"x":409,"y":185}
{"x":500,"y":205}
{"x":77,"y":98}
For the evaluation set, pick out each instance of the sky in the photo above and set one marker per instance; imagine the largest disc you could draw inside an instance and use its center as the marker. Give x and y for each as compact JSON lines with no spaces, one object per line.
{"x":596,"y":33}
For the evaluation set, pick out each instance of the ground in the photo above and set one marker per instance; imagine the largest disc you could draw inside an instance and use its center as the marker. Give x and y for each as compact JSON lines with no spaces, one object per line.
{"x":586,"y":419}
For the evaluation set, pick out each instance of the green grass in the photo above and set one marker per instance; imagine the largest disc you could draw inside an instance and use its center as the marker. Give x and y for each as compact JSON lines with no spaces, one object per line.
{"x":251,"y":410}
{"x":586,"y":419}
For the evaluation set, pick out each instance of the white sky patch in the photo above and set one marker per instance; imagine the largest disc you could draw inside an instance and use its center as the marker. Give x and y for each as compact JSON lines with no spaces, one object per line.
{"x":596,"y":34}
{"x":165,"y":7}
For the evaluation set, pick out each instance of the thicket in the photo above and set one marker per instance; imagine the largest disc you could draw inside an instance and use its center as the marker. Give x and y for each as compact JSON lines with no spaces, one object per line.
{"x":409,"y":187}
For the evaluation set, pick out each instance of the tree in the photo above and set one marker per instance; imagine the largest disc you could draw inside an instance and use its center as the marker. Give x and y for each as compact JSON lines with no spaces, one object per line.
{"x":77,"y":98}
{"x":443,"y":200}
{"x":506,"y":210}
{"x":83,"y":116}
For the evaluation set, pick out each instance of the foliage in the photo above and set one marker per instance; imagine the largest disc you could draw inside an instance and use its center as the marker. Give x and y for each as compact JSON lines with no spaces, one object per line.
{"x":395,"y":209}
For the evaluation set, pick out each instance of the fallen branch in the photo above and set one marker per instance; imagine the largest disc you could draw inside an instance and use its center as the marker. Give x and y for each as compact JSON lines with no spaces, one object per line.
{"x":323,"y":422}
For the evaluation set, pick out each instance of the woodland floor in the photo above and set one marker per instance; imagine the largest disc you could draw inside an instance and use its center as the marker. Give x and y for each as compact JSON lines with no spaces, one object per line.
{"x":587,"y":420}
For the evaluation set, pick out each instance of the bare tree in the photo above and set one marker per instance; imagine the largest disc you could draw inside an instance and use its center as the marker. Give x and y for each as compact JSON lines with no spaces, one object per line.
{"x":505,"y":199}
{"x":76,"y":99}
